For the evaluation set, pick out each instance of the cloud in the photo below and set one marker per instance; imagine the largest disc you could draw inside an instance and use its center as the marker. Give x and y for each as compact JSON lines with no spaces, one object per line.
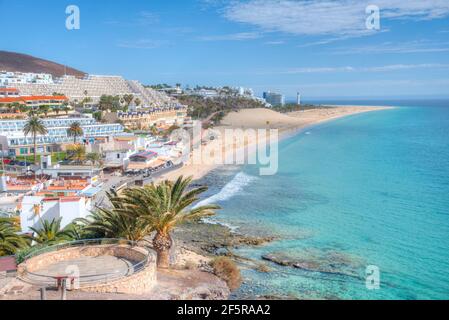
{"x":387,"y":83}
{"x":386,"y":68}
{"x":147,"y":18}
{"x":232,"y":37}
{"x":325,"y":17}
{"x":274,"y":43}
{"x":417,"y":46}
{"x":143,"y":44}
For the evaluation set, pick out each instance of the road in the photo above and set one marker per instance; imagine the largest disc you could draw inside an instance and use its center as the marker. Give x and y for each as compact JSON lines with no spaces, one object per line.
{"x":111,"y":180}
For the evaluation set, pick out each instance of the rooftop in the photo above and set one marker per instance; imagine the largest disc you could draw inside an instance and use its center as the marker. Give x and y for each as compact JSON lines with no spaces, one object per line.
{"x":32,"y":98}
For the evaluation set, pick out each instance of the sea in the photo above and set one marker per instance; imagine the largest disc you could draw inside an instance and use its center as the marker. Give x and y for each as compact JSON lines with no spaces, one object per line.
{"x":359,"y":208}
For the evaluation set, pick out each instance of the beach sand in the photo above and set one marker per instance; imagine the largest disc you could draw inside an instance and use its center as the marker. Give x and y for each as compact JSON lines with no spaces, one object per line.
{"x":267,"y":119}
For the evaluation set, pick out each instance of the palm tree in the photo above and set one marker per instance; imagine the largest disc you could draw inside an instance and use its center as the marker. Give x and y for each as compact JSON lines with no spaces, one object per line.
{"x":75,"y":130}
{"x":44,"y":109}
{"x":162,"y":207}
{"x":10,"y":241}
{"x":34,"y":126}
{"x":153,"y":130}
{"x":66,"y":109}
{"x":115,"y":222}
{"x":94,"y":158}
{"x":77,"y":153}
{"x":51,"y":233}
{"x":128,"y":99}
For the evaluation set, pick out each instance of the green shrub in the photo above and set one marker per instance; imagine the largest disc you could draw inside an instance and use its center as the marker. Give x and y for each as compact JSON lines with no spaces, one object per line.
{"x":22,"y":254}
{"x":227,"y":270}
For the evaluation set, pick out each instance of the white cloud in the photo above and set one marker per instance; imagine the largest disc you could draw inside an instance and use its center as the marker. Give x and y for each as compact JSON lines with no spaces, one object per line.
{"x":274,"y":43}
{"x":386,"y":68}
{"x":232,"y":37}
{"x":147,"y":17}
{"x":417,"y":46}
{"x":325,"y":17}
{"x":143,"y":44}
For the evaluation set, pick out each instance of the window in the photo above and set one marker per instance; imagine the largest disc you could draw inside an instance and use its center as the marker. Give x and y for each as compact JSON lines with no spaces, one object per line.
{"x":23,"y":150}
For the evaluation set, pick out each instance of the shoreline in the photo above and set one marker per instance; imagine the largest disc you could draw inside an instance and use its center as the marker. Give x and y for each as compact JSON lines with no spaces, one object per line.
{"x":289,"y":125}
{"x":206,"y":240}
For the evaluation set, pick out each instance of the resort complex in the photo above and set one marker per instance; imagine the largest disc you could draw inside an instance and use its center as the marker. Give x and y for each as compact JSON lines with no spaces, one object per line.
{"x":92,"y":87}
{"x":69,"y":147}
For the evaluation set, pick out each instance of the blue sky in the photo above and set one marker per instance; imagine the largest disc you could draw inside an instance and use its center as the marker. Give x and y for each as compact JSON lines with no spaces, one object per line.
{"x":320,"y":48}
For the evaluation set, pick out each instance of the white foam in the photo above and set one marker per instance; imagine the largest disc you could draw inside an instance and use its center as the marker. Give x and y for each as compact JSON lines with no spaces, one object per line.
{"x":232,"y":188}
{"x":232,"y":229}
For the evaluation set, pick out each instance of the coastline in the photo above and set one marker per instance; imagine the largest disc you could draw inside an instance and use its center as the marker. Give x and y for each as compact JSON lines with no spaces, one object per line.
{"x":202,"y":241}
{"x":287,"y":125}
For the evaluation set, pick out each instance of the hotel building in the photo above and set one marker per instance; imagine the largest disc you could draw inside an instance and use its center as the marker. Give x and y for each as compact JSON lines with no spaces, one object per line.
{"x":34,"y":101}
{"x":142,"y":120}
{"x":273,"y":98}
{"x":12,"y":78}
{"x":19,"y":144}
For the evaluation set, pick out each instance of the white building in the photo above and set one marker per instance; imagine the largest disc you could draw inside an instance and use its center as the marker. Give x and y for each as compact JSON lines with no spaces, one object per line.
{"x":57,"y":135}
{"x":273,"y":98}
{"x":12,"y":78}
{"x":35,"y":209}
{"x":118,"y":158}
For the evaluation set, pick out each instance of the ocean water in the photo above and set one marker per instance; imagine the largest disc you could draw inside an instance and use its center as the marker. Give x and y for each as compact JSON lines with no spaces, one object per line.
{"x":365,"y":190}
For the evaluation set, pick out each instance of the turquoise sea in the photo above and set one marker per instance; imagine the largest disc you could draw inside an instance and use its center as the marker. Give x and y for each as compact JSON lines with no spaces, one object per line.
{"x":368,"y":189}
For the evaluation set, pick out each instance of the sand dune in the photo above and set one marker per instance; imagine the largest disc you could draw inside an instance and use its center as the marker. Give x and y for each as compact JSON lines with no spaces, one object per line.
{"x":259,"y":118}
{"x":267,"y":118}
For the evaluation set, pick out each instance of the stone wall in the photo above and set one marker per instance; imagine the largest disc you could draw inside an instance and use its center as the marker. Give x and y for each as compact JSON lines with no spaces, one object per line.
{"x":137,"y":283}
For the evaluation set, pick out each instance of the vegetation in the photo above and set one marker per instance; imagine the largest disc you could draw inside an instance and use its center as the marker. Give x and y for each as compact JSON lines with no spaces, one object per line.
{"x":50,"y":233}
{"x":55,"y":157}
{"x":94,"y":158}
{"x":202,"y":108}
{"x":75,"y":131}
{"x":76,"y":153}
{"x":34,"y":126}
{"x":116,"y":222}
{"x":159,"y":86}
{"x":291,"y":107}
{"x":162,"y":207}
{"x":128,"y":98}
{"x":109,"y":103}
{"x":10,"y":241}
{"x":134,"y":215}
{"x":154,"y":208}
{"x":227,"y":270}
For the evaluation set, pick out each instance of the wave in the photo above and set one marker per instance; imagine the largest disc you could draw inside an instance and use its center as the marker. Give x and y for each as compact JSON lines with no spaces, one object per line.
{"x":232,"y":188}
{"x":232,"y":228}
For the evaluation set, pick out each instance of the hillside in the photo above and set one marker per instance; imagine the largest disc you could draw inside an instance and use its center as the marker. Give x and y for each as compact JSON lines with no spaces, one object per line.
{"x":11,"y":61}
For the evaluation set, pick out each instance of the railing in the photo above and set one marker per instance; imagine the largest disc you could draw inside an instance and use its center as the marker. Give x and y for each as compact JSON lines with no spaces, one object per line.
{"x":89,"y":279}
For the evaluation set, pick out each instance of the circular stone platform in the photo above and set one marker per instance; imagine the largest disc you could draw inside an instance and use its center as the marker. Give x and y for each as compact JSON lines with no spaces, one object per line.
{"x":97,"y":267}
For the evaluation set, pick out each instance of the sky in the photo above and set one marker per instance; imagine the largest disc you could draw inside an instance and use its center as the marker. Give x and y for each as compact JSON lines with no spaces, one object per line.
{"x":322,"y":49}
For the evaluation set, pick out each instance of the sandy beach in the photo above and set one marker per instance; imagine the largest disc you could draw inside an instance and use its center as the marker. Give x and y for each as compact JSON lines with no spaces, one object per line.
{"x":260,"y":118}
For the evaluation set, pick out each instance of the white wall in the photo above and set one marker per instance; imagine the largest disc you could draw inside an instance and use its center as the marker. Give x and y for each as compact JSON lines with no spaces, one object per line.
{"x":50,"y":210}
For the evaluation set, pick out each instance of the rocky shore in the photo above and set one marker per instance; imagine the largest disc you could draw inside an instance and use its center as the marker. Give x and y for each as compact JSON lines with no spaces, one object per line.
{"x":215,"y":239}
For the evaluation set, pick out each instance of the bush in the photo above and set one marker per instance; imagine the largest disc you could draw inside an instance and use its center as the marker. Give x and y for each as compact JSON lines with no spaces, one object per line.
{"x":227,"y":270}
{"x":22,"y":254}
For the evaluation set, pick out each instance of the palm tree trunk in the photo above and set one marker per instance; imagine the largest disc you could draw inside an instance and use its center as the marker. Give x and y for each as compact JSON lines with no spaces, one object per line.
{"x":35,"y":149}
{"x":162,"y":243}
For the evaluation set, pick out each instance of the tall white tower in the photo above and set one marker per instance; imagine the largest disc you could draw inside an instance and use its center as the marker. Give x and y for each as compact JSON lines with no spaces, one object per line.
{"x":298,"y":99}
